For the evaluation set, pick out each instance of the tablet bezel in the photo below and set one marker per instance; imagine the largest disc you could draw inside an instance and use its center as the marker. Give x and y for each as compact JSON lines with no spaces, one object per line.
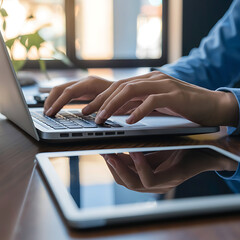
{"x":87,"y":218}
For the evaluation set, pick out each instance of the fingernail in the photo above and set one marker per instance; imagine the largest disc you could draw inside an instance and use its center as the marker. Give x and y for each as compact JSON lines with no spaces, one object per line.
{"x":49,"y":111}
{"x":112,"y":163}
{"x":130,"y":120}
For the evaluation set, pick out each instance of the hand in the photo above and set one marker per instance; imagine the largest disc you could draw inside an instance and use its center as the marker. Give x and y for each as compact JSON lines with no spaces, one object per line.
{"x":86,"y":89}
{"x":159,"y":172}
{"x":158,"y":91}
{"x":141,"y":95}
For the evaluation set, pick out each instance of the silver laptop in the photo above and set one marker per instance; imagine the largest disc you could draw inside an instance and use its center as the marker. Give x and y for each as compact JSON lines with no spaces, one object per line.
{"x":70,"y":124}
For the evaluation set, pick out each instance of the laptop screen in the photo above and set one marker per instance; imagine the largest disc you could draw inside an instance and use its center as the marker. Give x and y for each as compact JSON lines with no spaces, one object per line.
{"x":123,"y":178}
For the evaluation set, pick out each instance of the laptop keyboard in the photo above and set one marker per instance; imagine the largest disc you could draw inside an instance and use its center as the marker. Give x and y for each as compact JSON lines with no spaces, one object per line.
{"x":71,"y":120}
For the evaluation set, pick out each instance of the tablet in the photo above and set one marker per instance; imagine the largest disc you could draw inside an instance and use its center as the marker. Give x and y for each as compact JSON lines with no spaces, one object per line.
{"x":96,"y":188}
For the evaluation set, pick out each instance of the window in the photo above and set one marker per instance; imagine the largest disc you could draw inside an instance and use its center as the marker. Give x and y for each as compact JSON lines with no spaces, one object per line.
{"x":93,"y":33}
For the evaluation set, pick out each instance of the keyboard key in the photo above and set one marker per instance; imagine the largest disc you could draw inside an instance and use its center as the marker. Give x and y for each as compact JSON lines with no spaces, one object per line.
{"x":66,"y":115}
{"x":72,"y":120}
{"x":58,"y":127}
{"x":77,"y":113}
{"x":39,"y":112}
{"x":62,"y":121}
{"x":112,"y":124}
{"x":74,"y":127}
{"x":86,"y":124}
{"x":88,"y":118}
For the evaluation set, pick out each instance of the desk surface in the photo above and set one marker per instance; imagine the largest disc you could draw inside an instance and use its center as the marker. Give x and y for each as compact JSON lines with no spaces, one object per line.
{"x":29,"y":212}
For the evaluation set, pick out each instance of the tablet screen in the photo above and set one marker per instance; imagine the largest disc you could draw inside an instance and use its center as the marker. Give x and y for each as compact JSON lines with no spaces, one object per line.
{"x":118,"y":178}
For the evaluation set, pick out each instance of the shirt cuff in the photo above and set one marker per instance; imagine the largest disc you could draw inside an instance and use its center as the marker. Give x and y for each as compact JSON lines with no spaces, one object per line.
{"x":236,"y":93}
{"x":230,"y":175}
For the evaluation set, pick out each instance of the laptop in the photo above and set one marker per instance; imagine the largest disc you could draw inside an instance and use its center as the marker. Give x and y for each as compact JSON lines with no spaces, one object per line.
{"x":70,"y":124}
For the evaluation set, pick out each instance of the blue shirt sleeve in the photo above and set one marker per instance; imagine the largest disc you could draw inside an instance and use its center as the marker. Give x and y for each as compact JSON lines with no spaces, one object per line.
{"x":232,"y":179}
{"x":227,"y":175}
{"x":216,"y":62}
{"x":236,"y":93}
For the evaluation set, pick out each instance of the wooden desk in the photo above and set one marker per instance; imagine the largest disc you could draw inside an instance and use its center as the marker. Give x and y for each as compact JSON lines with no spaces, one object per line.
{"x":28,"y":211}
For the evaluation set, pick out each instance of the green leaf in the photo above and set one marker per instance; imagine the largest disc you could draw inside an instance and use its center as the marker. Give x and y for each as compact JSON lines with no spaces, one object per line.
{"x":4,"y":25}
{"x":18,"y":64}
{"x":42,"y":65}
{"x":3,"y":12}
{"x":31,"y":40}
{"x":43,"y":68}
{"x":9,"y":43}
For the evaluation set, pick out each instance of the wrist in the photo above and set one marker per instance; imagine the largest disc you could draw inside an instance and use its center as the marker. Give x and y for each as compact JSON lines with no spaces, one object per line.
{"x":228,"y":109}
{"x":226,"y":164}
{"x":216,"y":161}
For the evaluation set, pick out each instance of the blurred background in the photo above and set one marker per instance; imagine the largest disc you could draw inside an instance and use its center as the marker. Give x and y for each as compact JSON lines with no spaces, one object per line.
{"x":105,"y":29}
{"x":119,"y":31}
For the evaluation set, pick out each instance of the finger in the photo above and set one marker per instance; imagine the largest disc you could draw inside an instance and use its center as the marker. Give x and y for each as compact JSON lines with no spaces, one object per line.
{"x":86,"y":88}
{"x":171,"y":161}
{"x":128,"y":108}
{"x":170,"y":177}
{"x":129,"y":178}
{"x":113,"y":172}
{"x":96,"y":104}
{"x":55,"y":93}
{"x":67,"y":95}
{"x":132,"y":85}
{"x":119,"y":181}
{"x":126,"y":94}
{"x":158,"y":158}
{"x":169,"y":173}
{"x":155,"y":159}
{"x":144,"y":170}
{"x":125,"y":158}
{"x":152,"y":102}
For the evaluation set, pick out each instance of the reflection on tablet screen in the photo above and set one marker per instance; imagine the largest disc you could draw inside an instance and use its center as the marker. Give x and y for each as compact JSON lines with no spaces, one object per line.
{"x":123,"y":178}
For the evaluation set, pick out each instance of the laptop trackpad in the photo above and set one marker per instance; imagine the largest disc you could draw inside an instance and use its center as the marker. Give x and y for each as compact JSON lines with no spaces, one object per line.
{"x":122,"y":121}
{"x":155,"y":121}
